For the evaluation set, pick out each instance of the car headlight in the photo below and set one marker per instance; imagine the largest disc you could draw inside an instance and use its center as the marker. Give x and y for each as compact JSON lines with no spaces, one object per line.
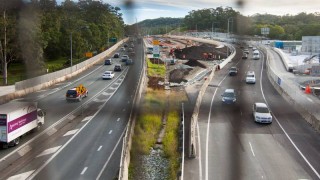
{"x":257,"y":117}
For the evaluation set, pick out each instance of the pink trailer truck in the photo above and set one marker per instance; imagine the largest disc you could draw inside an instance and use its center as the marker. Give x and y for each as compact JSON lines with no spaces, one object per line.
{"x":17,"y":119}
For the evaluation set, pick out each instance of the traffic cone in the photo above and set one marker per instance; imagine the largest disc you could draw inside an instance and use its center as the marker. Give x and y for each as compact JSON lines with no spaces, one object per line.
{"x":308,"y":90}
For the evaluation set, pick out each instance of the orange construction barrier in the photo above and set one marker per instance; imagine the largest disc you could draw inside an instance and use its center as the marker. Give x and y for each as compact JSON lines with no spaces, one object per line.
{"x":308,"y":90}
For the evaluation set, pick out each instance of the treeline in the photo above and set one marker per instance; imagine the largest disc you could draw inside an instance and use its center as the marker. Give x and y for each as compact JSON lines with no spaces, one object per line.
{"x":40,"y":30}
{"x":287,"y":27}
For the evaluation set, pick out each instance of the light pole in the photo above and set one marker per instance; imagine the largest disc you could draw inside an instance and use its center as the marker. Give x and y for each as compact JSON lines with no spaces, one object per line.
{"x":230,"y":19}
{"x":82,"y":27}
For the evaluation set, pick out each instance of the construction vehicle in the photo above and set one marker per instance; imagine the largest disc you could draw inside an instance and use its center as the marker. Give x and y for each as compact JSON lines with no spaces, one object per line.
{"x":77,"y":93}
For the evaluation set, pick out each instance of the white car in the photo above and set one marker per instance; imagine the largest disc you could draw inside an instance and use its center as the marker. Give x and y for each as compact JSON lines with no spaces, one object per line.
{"x":250,"y":77}
{"x":261,"y":113}
{"x":108,"y":75}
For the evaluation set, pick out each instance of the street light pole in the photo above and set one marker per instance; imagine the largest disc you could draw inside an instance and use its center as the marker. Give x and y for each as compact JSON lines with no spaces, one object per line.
{"x":71,"y":49}
{"x":71,"y":43}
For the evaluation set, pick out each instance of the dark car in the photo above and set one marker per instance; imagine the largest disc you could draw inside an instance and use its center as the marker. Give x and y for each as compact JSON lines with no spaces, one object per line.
{"x":116,"y":55}
{"x":125,"y":45}
{"x":233,"y":71}
{"x":107,"y":62}
{"x":129,"y":62}
{"x":245,"y":56}
{"x":117,"y":67}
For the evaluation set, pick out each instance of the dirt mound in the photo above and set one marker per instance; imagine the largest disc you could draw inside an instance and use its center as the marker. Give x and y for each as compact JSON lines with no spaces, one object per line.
{"x":194,"y":63}
{"x":196,"y":52}
{"x":153,"y":82}
{"x":177,"y":75}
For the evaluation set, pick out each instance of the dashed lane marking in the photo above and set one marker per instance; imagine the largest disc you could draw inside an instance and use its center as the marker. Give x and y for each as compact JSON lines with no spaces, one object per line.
{"x":99,"y":148}
{"x":110,"y":131}
{"x":72,"y":132}
{"x":49,"y":151}
{"x":84,"y":170}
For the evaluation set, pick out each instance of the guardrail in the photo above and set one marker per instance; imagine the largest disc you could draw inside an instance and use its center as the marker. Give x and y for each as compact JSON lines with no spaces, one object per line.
{"x":194,"y":117}
{"x":37,"y":83}
{"x":127,"y":139}
{"x":293,"y":94}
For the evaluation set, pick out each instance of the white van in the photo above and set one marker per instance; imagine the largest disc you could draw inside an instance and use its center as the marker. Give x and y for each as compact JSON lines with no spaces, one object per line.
{"x":250,"y":77}
{"x":256,"y":55}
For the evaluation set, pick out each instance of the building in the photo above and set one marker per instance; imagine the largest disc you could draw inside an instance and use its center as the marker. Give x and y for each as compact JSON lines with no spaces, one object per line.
{"x":311,"y":45}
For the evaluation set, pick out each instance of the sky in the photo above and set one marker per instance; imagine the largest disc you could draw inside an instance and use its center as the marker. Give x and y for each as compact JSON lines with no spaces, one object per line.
{"x":151,"y":9}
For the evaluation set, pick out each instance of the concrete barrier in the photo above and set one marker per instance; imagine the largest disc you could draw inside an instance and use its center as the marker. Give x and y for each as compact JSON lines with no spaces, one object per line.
{"x":292,"y":93}
{"x":37,"y":83}
{"x":194,"y":117}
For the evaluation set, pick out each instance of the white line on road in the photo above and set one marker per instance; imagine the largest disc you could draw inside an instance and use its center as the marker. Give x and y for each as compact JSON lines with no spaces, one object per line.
{"x":285,"y":132}
{"x":110,"y":131}
{"x":24,"y":150}
{"x":99,"y":148}
{"x":86,"y":118}
{"x":84,"y":170}
{"x":118,"y":119}
{"x":72,"y":132}
{"x":252,"y":149}
{"x":21,"y":176}
{"x":309,"y":99}
{"x":71,"y":117}
{"x":49,"y":151}
{"x":200,"y":163}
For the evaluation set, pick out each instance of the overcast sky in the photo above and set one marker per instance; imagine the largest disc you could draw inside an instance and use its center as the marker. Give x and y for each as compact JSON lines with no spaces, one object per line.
{"x":151,"y":9}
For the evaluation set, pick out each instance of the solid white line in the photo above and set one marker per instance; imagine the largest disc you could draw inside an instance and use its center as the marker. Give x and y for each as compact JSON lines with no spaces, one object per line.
{"x":294,"y":145}
{"x":252,"y":149}
{"x":99,"y":148}
{"x":208,"y":126}
{"x":115,"y":147}
{"x":84,"y":170}
{"x":110,"y":131}
{"x":199,"y":145}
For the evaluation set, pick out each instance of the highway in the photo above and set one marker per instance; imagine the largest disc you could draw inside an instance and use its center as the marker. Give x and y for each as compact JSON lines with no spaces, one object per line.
{"x":80,"y":140}
{"x":232,"y":146}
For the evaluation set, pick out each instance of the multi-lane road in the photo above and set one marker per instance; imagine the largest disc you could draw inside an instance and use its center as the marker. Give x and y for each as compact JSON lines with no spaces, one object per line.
{"x":232,"y":146}
{"x":80,"y":140}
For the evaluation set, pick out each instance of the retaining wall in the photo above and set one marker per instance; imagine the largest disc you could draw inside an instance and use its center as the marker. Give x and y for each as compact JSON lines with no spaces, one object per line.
{"x":37,"y":83}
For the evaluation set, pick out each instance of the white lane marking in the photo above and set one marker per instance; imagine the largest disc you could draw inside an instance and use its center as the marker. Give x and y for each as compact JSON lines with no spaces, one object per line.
{"x":49,"y":151}
{"x":71,"y":132}
{"x":71,"y":117}
{"x":252,"y":149}
{"x":21,"y":176}
{"x":24,"y":150}
{"x":51,"y":131}
{"x":115,"y":147}
{"x":285,"y":132}
{"x":87,"y":118}
{"x":199,"y":144}
{"x":99,"y":148}
{"x":118,"y":119}
{"x":309,"y":99}
{"x":208,"y":126}
{"x":110,"y":131}
{"x":84,"y":170}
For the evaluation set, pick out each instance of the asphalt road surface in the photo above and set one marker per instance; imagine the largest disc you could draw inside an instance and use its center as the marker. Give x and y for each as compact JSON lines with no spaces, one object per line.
{"x":80,"y":140}
{"x":232,"y":146}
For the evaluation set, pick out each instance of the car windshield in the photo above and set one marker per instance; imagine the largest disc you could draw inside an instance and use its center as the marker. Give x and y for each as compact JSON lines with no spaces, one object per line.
{"x":228,"y":94}
{"x":250,"y":75}
{"x":262,"y":110}
{"x":233,"y":69}
{"x":71,"y":92}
